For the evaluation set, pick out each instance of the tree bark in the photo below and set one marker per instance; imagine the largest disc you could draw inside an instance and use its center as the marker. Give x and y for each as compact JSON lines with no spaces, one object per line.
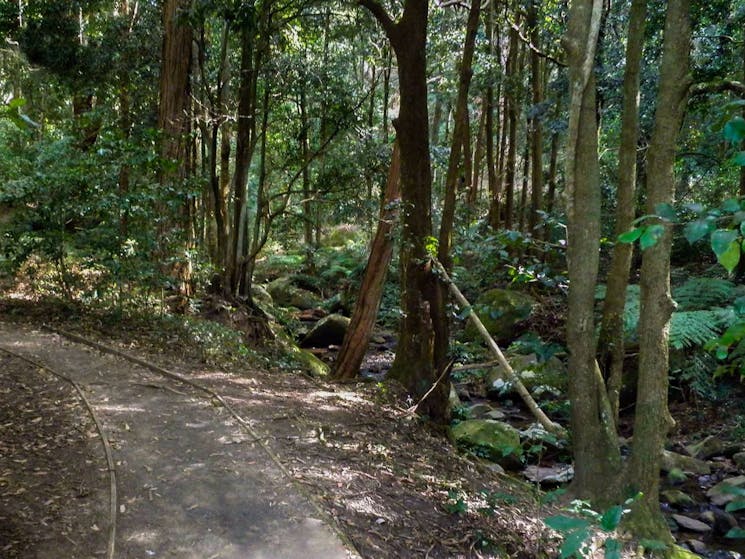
{"x":652,"y":418}
{"x":594,"y":443}
{"x":535,"y":125}
{"x":611,"y":339}
{"x":414,"y":361}
{"x":512,"y":107}
{"x":366,"y":307}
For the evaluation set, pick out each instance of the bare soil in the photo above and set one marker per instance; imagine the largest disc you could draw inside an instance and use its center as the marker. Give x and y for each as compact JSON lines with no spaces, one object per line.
{"x":361,"y":470}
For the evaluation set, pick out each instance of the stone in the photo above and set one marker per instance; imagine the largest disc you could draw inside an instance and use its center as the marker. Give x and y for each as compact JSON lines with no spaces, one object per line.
{"x":327,"y":331}
{"x":501,"y":311}
{"x":305,"y":359}
{"x":495,"y":440}
{"x":723,"y":521}
{"x":496,"y":414}
{"x":674,"y":461}
{"x":739,"y":459}
{"x":286,"y":294}
{"x":688,"y":523}
{"x":705,"y":449}
{"x":560,"y":473}
{"x":454,"y":399}
{"x":261,"y":296}
{"x":479,"y":411}
{"x":697,"y":546}
{"x":677,"y":498}
{"x":719,"y":495}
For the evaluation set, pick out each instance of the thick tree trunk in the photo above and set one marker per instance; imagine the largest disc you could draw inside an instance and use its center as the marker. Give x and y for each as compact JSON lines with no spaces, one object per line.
{"x":366,"y":308}
{"x":414,"y":362}
{"x":652,"y":419}
{"x":597,"y":460}
{"x":611,"y":339}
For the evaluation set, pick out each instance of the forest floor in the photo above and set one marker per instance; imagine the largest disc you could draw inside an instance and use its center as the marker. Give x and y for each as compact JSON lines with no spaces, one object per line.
{"x":303,"y":468}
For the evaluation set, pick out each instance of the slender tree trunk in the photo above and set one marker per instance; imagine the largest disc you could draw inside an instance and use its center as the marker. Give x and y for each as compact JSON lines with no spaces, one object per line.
{"x":597,"y":460}
{"x":478,"y":157}
{"x":524,"y":209}
{"x":611,"y":339}
{"x":365,"y":311}
{"x":512,"y":107}
{"x":489,"y":133}
{"x":652,"y":419}
{"x":458,"y":151}
{"x":535,"y":125}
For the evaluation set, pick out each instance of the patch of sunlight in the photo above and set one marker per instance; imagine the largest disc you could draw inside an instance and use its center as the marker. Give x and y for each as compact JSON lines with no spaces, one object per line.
{"x":343,"y":396}
{"x":121,"y":408}
{"x":367,"y":505}
{"x":144,"y":536}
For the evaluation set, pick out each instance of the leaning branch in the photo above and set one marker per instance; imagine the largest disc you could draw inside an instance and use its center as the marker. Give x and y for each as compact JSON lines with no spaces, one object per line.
{"x":719,"y":86}
{"x":377,"y":10}
{"x":506,"y":368}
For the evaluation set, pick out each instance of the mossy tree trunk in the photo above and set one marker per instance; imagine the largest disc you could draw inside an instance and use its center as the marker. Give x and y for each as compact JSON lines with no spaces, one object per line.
{"x":652,"y":420}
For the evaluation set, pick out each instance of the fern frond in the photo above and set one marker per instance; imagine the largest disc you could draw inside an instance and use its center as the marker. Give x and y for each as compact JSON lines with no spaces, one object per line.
{"x":696,"y":328}
{"x":704,"y":293}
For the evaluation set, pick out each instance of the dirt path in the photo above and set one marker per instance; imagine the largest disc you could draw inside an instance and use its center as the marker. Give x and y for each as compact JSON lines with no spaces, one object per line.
{"x":191,"y":482}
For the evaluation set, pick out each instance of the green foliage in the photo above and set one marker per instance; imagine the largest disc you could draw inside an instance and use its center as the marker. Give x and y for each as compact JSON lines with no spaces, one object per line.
{"x":703,"y":293}
{"x":456,"y":503}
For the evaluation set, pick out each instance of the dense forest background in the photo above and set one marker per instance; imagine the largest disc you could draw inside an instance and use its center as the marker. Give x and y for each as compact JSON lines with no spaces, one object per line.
{"x":187,"y":156}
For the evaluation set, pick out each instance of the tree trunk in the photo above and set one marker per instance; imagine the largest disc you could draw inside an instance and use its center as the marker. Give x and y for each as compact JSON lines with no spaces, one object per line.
{"x":512,"y":108}
{"x":535,"y":125}
{"x":366,"y":308}
{"x":414,"y":362}
{"x":597,"y":460}
{"x":652,"y":418}
{"x":611,"y":339}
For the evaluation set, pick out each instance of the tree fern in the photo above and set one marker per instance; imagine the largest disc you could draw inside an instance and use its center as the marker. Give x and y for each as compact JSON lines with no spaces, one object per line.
{"x":704,"y":293}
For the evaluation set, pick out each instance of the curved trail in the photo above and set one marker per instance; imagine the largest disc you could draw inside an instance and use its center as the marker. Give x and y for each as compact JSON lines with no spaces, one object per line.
{"x":192,"y":480}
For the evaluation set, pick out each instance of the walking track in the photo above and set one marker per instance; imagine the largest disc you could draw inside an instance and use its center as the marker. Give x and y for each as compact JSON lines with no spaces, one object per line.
{"x":191,"y":479}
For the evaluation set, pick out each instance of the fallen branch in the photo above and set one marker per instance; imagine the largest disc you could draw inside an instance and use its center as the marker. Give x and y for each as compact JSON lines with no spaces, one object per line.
{"x":445,"y":373}
{"x":507,"y":370}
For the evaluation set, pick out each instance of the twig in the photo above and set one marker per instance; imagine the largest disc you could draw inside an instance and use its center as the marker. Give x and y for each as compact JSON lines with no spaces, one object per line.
{"x":445,"y":372}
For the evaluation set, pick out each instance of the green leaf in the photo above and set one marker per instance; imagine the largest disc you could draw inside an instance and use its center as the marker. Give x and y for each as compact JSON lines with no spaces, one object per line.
{"x":696,"y":230}
{"x":465,"y":313}
{"x":564,"y":524}
{"x":666,"y":212}
{"x":734,"y":130}
{"x":695,"y":208}
{"x":612,"y":549}
{"x":573,"y":543}
{"x":739,"y":158}
{"x":721,"y":240}
{"x":722,"y":352}
{"x":737,"y":504}
{"x":651,"y":235}
{"x":631,"y":235}
{"x":16,"y":103}
{"x":735,"y":533}
{"x":730,"y":257}
{"x":739,"y":305}
{"x":611,"y":518}
{"x":730,"y":205}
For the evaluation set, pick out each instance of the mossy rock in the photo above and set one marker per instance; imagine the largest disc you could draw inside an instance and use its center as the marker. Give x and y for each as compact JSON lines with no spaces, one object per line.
{"x":330,"y":330}
{"x":501,"y":311}
{"x":286,"y":294}
{"x":303,"y":358}
{"x":344,"y":235}
{"x":494,"y":440}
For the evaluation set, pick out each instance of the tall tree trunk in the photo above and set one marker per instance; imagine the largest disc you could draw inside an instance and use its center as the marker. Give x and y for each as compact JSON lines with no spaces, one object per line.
{"x":365,"y":311}
{"x":478,"y":157}
{"x":489,"y":132}
{"x":597,"y":461}
{"x":512,"y":108}
{"x":457,"y":153}
{"x":535,"y":125}
{"x":414,"y":362}
{"x":611,"y":339}
{"x":652,"y":418}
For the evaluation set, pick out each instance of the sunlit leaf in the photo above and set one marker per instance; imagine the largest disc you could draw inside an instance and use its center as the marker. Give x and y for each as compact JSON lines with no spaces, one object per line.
{"x":565,"y":524}
{"x":721,"y":240}
{"x":651,"y":235}
{"x":696,"y":230}
{"x":631,"y":235}
{"x":667,"y":212}
{"x":731,"y":205}
{"x":730,"y":257}
{"x":573,"y":543}
{"x":611,"y":517}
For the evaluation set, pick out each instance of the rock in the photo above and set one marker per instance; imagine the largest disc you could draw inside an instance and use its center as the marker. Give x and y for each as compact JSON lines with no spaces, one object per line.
{"x":535,"y":433}
{"x":723,"y":520}
{"x":285,"y":294}
{"x":677,"y":498}
{"x":501,"y":310}
{"x":674,"y":461}
{"x":688,"y":523}
{"x":261,"y":297}
{"x":495,"y":440}
{"x":480,"y":411}
{"x":697,"y":546}
{"x":739,"y":459}
{"x":454,"y":399}
{"x":560,"y":473}
{"x":305,"y":359}
{"x":327,"y":331}
{"x":719,"y":494}
{"x":705,"y":449}
{"x":496,"y":414}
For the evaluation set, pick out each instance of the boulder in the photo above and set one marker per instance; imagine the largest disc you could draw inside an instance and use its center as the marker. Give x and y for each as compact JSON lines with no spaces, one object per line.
{"x":688,"y":523}
{"x":674,"y":461}
{"x":721,"y":493}
{"x":677,"y":498}
{"x":480,"y":411}
{"x":705,"y":449}
{"x":739,"y":459}
{"x":501,"y":310}
{"x":495,"y":440}
{"x":261,"y":297}
{"x":560,"y":473}
{"x":327,"y":331}
{"x":286,"y":294}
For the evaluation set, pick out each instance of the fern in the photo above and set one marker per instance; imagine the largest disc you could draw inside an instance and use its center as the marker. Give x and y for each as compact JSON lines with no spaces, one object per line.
{"x":696,"y":328}
{"x":704,"y":293}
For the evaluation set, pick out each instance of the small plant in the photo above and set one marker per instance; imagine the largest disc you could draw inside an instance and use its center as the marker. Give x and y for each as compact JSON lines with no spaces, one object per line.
{"x":578,"y":530}
{"x":456,"y":503}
